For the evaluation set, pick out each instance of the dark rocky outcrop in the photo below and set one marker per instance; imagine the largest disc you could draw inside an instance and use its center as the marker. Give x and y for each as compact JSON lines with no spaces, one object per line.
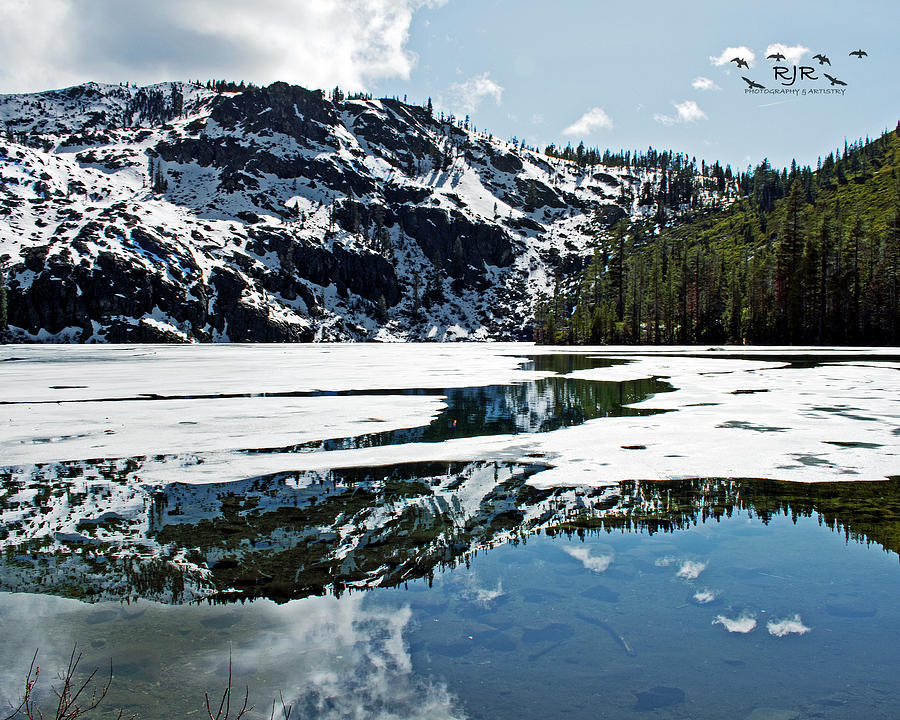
{"x":403,"y":145}
{"x":463,"y":247}
{"x":367,"y":274}
{"x":118,"y":294}
{"x":536,"y":194}
{"x":289,"y":109}
{"x":507,"y":162}
{"x":606,"y":178}
{"x":240,"y":164}
{"x":609,"y":215}
{"x":248,"y":323}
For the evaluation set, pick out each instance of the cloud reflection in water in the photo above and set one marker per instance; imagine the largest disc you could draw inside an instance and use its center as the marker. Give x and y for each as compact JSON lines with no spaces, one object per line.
{"x":789,"y":626}
{"x":346,"y":660}
{"x":597,"y":564}
{"x":743,"y":624}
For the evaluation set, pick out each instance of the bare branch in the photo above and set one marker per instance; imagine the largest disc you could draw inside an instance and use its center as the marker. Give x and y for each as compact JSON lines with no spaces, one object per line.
{"x":285,"y":709}
{"x":29,"y":685}
{"x":225,"y":703}
{"x":69,"y":705}
{"x":228,"y":693}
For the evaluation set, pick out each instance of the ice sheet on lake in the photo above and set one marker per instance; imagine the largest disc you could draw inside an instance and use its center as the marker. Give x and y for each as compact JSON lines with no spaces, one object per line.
{"x":750,"y":416}
{"x":742,"y":418}
{"x":88,"y":372}
{"x":81,"y":430}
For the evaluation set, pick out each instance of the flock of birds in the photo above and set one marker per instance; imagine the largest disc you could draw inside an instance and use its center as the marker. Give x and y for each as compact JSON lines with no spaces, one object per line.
{"x":777,"y":56}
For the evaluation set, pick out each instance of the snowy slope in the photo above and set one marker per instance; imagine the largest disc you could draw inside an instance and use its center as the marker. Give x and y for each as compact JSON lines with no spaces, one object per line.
{"x":178,"y":213}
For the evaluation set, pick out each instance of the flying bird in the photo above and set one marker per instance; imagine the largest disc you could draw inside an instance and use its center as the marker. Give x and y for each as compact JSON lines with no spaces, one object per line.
{"x":834,"y":80}
{"x":740,"y":62}
{"x":860,"y":53}
{"x":752,"y":84}
{"x":775,"y":56}
{"x":823,"y":59}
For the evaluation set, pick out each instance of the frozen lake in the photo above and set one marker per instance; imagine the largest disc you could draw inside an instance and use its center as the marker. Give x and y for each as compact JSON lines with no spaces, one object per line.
{"x":481,"y":531}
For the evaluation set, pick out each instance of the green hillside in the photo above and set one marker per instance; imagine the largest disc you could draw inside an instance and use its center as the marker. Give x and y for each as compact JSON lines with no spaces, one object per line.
{"x":803,"y":256}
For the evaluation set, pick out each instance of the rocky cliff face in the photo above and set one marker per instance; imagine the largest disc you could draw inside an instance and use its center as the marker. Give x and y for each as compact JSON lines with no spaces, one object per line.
{"x":175,"y":213}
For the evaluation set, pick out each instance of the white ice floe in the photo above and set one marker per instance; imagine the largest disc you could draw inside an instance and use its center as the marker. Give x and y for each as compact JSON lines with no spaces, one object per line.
{"x":752,"y":415}
{"x":742,"y":624}
{"x":80,"y":430}
{"x":789,"y":626}
{"x":594,"y":563}
{"x":740,"y":417}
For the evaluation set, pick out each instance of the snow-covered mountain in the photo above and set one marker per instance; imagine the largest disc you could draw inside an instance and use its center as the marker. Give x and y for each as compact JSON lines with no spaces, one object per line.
{"x":176,"y":213}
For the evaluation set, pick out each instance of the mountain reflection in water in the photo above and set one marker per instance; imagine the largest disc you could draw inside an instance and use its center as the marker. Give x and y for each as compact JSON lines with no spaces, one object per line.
{"x":293,"y":535}
{"x":534,"y":406}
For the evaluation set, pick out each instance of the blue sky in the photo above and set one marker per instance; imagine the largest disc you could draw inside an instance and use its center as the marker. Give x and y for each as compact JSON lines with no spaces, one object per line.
{"x":613,"y":74}
{"x":637,"y":60}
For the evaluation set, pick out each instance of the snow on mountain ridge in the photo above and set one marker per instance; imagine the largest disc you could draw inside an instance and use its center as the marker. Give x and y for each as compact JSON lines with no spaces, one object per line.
{"x":276,"y":214}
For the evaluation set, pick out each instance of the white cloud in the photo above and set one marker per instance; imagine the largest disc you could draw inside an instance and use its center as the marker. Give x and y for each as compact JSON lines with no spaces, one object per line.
{"x":704,"y":597}
{"x":596,"y":564}
{"x":689,"y":111}
{"x":789,"y":626}
{"x":587,"y":123}
{"x":53,"y":43}
{"x":704,"y":83}
{"x":792,"y":53}
{"x":743,"y":624}
{"x":33,"y":44}
{"x":690,"y":570}
{"x":465,"y":97}
{"x":729,"y":53}
{"x":686,"y":112}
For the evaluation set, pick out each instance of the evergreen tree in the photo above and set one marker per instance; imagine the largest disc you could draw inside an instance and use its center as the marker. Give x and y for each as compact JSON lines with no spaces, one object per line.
{"x":3,"y":307}
{"x":784,"y":263}
{"x":892,"y":269}
{"x":788,"y":282}
{"x":434,"y":288}
{"x":735,"y":307}
{"x":825,"y":250}
{"x":381,"y":310}
{"x":160,"y":183}
{"x":458,"y":264}
{"x":852,"y":250}
{"x":416,"y":278}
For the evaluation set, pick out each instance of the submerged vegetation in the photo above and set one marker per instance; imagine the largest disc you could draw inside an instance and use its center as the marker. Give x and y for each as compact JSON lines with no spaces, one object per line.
{"x":803,"y":256}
